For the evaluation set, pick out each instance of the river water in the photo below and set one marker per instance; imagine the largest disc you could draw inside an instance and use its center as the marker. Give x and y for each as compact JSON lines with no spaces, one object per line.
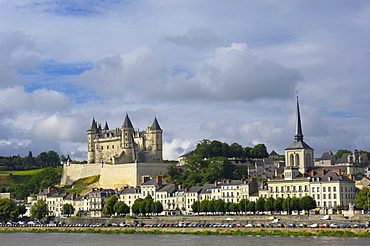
{"x":83,"y":239}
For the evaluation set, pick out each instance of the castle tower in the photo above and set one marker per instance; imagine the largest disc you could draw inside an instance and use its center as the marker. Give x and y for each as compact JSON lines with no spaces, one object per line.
{"x":128,"y":140}
{"x":91,"y":134}
{"x":155,"y":134}
{"x":299,"y":155}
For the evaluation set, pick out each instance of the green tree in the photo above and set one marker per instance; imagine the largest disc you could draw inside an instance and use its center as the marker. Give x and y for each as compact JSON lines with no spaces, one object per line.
{"x":135,"y":208}
{"x":307,"y":203}
{"x":259,"y":151}
{"x":108,"y":207}
{"x":234,"y":207}
{"x":8,"y":209}
{"x":68,"y":209}
{"x":220,"y":206}
{"x":22,"y":209}
{"x":203,"y":148}
{"x":149,"y":204}
{"x":251,"y":206}
{"x":204,"y":206}
{"x":269,"y":204}
{"x":196,"y":206}
{"x":243,"y":205}
{"x":296,"y":204}
{"x":158,"y":207}
{"x":216,"y":148}
{"x":121,"y":208}
{"x":363,"y":199}
{"x":260,"y":204}
{"x":236,"y":150}
{"x":39,"y":209}
{"x":173,"y":172}
{"x":278,"y":204}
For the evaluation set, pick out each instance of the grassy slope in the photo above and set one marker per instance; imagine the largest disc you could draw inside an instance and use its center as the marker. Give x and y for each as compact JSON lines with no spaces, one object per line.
{"x":7,"y":178}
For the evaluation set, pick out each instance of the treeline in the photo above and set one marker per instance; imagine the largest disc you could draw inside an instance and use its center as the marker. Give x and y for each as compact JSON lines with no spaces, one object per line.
{"x":44,"y":159}
{"x":42,"y":180}
{"x":209,"y":149}
{"x":261,"y":205}
{"x":211,"y":162}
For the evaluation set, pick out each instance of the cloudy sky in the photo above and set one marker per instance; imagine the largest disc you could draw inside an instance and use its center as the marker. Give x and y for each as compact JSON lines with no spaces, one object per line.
{"x":207,"y":69}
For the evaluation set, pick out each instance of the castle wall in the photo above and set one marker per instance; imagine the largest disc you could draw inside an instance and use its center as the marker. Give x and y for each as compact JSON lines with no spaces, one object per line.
{"x":72,"y":172}
{"x":112,"y":176}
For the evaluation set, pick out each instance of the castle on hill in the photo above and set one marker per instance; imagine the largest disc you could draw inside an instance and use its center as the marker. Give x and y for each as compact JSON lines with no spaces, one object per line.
{"x":121,"y":156}
{"x":124,"y":145}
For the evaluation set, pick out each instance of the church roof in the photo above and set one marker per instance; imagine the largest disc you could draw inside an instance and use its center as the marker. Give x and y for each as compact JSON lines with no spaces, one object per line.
{"x":298,"y":143}
{"x":127,"y":123}
{"x":155,"y":125}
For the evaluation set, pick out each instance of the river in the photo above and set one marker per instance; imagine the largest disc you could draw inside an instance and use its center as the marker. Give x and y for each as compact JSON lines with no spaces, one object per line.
{"x":83,"y":239}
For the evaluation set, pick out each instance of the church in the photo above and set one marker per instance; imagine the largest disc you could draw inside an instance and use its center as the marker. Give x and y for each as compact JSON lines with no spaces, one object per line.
{"x":121,"y":156}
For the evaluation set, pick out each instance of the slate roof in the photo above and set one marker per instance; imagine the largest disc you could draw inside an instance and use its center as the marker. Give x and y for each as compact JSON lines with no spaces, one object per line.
{"x":155,"y":125}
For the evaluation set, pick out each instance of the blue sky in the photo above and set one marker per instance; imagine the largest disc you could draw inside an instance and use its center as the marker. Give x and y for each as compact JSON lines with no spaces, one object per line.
{"x":224,"y":70}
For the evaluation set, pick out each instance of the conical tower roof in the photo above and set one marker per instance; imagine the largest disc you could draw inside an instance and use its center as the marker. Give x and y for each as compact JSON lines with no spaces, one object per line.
{"x":155,"y":125}
{"x":298,"y":133}
{"x":127,"y":122}
{"x":106,"y":127}
{"x":93,"y":124}
{"x":298,"y":137}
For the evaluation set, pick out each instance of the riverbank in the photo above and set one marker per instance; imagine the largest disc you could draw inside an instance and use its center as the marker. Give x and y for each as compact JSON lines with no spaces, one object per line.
{"x":353,"y":232}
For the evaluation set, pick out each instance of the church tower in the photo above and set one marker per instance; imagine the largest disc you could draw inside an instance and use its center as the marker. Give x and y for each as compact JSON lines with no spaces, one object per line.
{"x":128,"y":140}
{"x":298,"y":155}
{"x":155,"y":134}
{"x":91,"y":134}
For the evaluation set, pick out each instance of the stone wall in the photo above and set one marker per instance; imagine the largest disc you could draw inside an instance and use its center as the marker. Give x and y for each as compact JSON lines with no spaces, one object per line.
{"x":112,"y":176}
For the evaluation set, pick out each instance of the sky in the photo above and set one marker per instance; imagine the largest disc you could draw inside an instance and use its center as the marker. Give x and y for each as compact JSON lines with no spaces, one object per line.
{"x":206,"y":69}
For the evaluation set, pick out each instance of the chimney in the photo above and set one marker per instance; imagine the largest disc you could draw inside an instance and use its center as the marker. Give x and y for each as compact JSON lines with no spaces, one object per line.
{"x":100,"y":189}
{"x":92,"y":189}
{"x":159,"y":180}
{"x":187,"y":189}
{"x":323,"y":171}
{"x":41,"y":190}
{"x":282,"y":175}
{"x":313,"y":172}
{"x":216,"y":183}
{"x":305,"y":174}
{"x":145,"y":179}
{"x":337,"y":170}
{"x":176,"y":186}
{"x":242,"y":181}
{"x":67,"y":193}
{"x":116,"y":189}
{"x":49,"y":190}
{"x":350,"y":176}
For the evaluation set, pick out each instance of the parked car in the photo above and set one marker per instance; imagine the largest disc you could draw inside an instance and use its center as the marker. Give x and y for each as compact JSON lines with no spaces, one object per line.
{"x":345,"y":226}
{"x":314,"y":225}
{"x":302,"y":225}
{"x":334,"y":225}
{"x":291,"y":225}
{"x":326,"y":217}
{"x":324,"y":225}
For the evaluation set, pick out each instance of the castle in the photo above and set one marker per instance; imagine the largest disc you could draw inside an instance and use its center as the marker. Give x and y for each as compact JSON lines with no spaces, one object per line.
{"x":120,"y":156}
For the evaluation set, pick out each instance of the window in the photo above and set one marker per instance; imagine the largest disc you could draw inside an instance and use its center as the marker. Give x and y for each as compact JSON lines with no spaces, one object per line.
{"x":329,"y":189}
{"x":335,"y":196}
{"x":334,"y":189}
{"x":318,"y":189}
{"x":324,"y":196}
{"x":323,"y":189}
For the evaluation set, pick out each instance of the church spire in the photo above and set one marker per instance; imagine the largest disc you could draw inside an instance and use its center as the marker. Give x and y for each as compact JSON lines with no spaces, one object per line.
{"x":127,"y":123}
{"x":298,"y":133}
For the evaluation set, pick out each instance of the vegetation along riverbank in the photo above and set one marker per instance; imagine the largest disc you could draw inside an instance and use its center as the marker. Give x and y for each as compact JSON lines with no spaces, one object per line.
{"x":205,"y":231}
